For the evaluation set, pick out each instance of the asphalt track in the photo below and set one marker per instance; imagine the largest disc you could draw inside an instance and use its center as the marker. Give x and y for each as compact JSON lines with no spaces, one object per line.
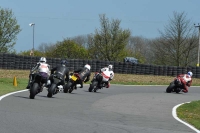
{"x":119,"y":109}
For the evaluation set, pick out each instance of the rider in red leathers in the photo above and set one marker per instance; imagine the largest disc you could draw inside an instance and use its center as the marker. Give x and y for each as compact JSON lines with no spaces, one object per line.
{"x":186,"y":80}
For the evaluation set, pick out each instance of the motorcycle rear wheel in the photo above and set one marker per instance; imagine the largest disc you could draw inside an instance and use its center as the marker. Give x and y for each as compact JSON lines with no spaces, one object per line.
{"x":67,"y":87}
{"x":92,"y":86}
{"x":33,"y":90}
{"x":51,"y":90}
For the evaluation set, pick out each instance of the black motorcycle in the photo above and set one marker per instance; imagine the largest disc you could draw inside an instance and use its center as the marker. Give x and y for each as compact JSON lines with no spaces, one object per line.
{"x":36,"y":86}
{"x":71,"y":84}
{"x":97,"y":82}
{"x":175,"y":86}
{"x":55,"y":86}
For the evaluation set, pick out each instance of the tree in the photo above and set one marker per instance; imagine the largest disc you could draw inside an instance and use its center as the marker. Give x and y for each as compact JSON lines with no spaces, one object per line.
{"x":110,"y":41}
{"x":69,"y":49}
{"x":138,"y":47}
{"x":8,"y":30}
{"x":177,"y":45}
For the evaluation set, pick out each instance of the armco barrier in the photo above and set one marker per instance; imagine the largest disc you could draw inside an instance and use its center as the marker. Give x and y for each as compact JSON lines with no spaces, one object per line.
{"x":12,"y":61}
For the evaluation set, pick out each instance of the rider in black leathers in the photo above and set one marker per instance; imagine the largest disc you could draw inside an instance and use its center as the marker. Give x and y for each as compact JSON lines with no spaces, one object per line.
{"x":84,"y":74}
{"x":60,"y":71}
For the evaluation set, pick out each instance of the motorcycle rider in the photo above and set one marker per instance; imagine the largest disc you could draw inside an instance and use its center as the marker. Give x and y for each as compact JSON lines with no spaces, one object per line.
{"x":186,"y":80}
{"x":110,"y":69}
{"x":60,"y":71}
{"x":84,"y":74}
{"x":43,"y":68}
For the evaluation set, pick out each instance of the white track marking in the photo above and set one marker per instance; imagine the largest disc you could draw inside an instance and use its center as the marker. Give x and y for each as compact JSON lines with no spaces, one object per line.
{"x":1,"y":97}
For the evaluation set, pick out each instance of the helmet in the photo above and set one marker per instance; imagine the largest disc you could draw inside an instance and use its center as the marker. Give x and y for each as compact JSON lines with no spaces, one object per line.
{"x":110,"y":67}
{"x":190,"y":73}
{"x":64,"y":62}
{"x":43,"y":59}
{"x":87,"y":66}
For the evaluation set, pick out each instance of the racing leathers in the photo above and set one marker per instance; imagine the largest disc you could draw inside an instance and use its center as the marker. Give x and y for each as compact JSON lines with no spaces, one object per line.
{"x":111,"y":75}
{"x":60,"y":71}
{"x":43,"y":69}
{"x":186,"y":80}
{"x":84,"y":75}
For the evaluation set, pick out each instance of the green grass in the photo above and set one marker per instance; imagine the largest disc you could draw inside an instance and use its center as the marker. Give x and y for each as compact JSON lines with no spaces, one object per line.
{"x":6,"y":85}
{"x":190,"y":113}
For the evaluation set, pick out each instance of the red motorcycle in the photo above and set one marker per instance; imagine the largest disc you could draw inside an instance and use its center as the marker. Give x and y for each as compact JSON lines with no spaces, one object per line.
{"x":175,"y":86}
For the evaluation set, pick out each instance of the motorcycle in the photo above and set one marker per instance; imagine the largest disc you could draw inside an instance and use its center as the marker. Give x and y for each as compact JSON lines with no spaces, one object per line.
{"x":36,"y":86}
{"x":55,"y":86}
{"x":175,"y":86}
{"x":71,"y":84}
{"x":99,"y":81}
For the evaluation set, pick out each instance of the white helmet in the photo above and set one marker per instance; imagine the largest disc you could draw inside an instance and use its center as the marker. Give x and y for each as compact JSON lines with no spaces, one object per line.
{"x":87,"y":66}
{"x":43,"y":59}
{"x":110,"y":67}
{"x":190,"y":73}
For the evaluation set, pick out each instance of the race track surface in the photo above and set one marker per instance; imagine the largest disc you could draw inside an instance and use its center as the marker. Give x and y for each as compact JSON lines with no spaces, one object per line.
{"x":119,"y":109}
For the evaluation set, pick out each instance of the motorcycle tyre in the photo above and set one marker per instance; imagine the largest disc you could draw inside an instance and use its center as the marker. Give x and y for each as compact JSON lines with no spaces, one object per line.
{"x":92,"y":86}
{"x":67,"y":87}
{"x":177,"y":90}
{"x":51,"y":90}
{"x":33,"y":90}
{"x":170,"y":88}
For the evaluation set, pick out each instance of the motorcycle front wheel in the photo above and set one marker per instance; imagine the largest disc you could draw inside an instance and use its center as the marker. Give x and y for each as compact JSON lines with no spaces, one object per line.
{"x":33,"y":90}
{"x":51,"y":90}
{"x":170,"y":87}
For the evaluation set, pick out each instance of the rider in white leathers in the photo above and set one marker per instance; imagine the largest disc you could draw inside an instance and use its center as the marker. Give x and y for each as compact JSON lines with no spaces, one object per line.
{"x":43,"y":68}
{"x":110,"y":70}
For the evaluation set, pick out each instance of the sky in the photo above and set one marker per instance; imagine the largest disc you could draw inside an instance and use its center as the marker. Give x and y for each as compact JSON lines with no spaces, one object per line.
{"x":58,"y":19}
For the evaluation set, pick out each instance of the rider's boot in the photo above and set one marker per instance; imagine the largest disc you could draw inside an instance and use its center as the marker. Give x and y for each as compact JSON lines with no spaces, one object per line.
{"x":81,"y":85}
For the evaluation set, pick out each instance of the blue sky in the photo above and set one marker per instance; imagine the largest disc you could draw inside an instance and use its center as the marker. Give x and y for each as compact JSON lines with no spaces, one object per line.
{"x":58,"y":19}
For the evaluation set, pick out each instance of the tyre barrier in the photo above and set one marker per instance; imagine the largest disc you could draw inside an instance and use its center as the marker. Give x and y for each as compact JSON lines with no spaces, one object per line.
{"x":19,"y":62}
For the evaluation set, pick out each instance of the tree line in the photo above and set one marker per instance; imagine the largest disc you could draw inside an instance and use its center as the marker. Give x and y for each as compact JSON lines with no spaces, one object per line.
{"x":177,"y":44}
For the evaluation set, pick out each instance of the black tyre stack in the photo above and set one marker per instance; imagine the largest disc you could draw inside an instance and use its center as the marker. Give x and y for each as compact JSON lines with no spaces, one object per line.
{"x":76,"y":64}
{"x":120,"y":68}
{"x":198,"y":72}
{"x":1,"y":60}
{"x":174,"y":71}
{"x":133,"y":68}
{"x":169,"y":70}
{"x":179,"y":70}
{"x":115,"y":67}
{"x":142,"y":69}
{"x":165,"y":69}
{"x":194,"y":71}
{"x":5,"y":61}
{"x":156,"y":70}
{"x":151,"y":69}
{"x":160,"y":71}
{"x":124,"y":68}
{"x":129,"y":69}
{"x":138,"y":69}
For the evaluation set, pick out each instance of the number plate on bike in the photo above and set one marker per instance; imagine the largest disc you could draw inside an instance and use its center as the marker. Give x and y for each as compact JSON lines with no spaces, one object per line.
{"x":74,"y":78}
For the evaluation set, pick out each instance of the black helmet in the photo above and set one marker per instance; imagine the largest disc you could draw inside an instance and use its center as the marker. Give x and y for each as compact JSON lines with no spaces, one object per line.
{"x":64,"y":62}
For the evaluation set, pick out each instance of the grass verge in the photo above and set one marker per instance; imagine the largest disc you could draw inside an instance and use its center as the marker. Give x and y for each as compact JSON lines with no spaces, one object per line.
{"x":189,"y":112}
